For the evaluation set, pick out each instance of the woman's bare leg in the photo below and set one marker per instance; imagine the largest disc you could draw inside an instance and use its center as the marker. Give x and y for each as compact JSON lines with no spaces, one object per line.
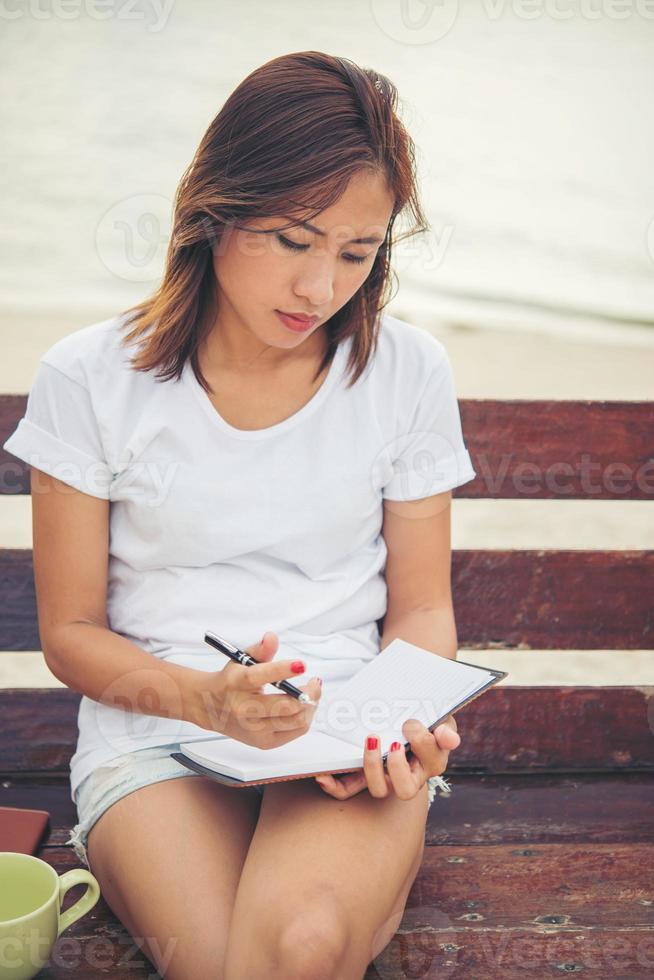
{"x":168,"y":858}
{"x":324,"y":884}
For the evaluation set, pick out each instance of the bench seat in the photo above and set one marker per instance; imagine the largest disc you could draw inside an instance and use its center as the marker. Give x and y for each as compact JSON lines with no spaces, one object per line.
{"x":539,"y":863}
{"x":523,"y":874}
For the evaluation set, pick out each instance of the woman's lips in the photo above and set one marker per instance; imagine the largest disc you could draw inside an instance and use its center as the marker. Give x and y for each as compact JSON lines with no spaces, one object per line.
{"x":295,"y":323}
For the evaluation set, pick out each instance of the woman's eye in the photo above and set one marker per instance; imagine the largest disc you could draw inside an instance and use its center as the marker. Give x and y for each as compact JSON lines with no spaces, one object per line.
{"x":292,"y":245}
{"x":295,"y":247}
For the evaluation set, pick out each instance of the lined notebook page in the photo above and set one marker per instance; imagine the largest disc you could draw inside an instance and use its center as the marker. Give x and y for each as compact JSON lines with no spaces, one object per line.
{"x":403,"y":681}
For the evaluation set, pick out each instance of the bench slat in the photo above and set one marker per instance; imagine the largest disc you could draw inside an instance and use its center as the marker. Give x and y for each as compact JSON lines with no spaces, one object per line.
{"x":537,"y":808}
{"x":14,"y":473}
{"x":554,"y":600}
{"x":546,"y":600}
{"x":472,"y":912}
{"x":508,"y":729}
{"x":520,"y":449}
{"x":559,"y":450}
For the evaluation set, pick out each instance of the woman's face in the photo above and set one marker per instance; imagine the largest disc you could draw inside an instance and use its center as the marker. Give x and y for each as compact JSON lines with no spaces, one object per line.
{"x":299,"y":270}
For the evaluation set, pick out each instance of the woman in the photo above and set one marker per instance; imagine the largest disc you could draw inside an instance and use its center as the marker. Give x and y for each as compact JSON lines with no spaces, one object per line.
{"x":206,"y":460}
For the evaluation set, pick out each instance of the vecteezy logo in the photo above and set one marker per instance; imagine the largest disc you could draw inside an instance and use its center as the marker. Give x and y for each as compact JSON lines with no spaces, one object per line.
{"x":424,"y":946}
{"x":415,"y":466}
{"x":138,"y":714}
{"x":132,"y":236}
{"x":415,"y":21}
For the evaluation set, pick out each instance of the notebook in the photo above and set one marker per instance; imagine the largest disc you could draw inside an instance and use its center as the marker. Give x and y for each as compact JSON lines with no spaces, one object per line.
{"x":22,"y":830}
{"x":403,"y":681}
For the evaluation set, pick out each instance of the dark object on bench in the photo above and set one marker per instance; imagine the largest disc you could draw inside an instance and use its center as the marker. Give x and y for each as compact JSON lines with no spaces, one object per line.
{"x":540,"y":861}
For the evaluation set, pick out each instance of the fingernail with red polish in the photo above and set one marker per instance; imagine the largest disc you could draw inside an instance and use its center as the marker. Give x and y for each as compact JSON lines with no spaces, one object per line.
{"x":297,"y":667}
{"x":395,"y":746}
{"x":372,"y":742}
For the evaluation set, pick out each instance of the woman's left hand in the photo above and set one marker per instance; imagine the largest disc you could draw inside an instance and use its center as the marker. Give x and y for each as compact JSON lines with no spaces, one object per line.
{"x":405,"y":776}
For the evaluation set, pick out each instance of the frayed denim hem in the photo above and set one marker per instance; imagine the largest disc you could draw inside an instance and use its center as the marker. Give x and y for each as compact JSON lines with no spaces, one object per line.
{"x":117,"y":778}
{"x":437,"y":782}
{"x":76,"y":839}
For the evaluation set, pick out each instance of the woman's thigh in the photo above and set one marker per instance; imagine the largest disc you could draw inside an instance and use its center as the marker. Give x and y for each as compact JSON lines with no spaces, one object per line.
{"x":325,"y":881}
{"x":168,"y":857}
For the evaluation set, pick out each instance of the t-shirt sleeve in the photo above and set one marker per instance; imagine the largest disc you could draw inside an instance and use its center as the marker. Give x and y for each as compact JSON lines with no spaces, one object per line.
{"x":60,"y":435}
{"x":429,"y":455}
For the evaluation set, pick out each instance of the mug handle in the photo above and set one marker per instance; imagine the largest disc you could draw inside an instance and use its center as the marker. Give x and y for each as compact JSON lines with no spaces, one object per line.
{"x":78,"y":876}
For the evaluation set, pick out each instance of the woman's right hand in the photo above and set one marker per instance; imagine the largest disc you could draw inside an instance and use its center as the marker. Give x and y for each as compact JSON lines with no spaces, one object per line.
{"x":230,"y":701}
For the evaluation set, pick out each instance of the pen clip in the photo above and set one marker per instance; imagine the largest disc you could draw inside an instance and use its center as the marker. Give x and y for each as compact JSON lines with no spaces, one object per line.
{"x":218,"y":641}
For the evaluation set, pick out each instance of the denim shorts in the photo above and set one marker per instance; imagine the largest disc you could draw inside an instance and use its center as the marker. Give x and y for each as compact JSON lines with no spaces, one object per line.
{"x":126,"y":773}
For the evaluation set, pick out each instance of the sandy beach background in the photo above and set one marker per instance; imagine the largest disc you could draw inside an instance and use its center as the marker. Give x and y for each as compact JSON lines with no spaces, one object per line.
{"x":534,"y":143}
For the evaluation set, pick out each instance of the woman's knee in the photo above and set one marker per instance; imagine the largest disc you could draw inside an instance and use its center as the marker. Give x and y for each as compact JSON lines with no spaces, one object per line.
{"x":312,"y":944}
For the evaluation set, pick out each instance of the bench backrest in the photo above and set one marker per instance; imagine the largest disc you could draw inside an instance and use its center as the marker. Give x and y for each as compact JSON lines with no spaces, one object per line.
{"x":503,"y":599}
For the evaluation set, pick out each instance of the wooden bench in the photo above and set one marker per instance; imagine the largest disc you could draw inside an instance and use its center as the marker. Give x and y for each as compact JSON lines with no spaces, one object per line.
{"x":540,"y":861}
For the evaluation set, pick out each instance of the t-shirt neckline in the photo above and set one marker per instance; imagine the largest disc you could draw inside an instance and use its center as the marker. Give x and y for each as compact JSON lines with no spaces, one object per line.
{"x":333,"y":374}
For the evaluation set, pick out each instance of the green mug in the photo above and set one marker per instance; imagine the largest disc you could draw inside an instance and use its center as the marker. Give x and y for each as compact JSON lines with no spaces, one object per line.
{"x":31,"y":920}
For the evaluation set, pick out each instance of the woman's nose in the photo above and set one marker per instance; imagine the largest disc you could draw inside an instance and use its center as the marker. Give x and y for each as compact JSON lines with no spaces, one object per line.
{"x":316,"y":284}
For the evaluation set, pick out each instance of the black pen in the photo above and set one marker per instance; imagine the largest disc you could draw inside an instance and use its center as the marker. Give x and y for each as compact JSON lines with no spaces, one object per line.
{"x":240,"y":657}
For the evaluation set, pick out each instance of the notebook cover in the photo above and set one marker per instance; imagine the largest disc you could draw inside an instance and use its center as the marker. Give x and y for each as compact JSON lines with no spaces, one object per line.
{"x":184,"y":760}
{"x":22,"y":831}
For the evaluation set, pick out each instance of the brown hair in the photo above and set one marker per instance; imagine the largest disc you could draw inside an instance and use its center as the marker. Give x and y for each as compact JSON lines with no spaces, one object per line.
{"x":286,"y":141}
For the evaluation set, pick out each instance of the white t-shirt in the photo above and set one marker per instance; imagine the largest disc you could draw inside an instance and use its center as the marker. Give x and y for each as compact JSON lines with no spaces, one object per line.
{"x":239,"y":532}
